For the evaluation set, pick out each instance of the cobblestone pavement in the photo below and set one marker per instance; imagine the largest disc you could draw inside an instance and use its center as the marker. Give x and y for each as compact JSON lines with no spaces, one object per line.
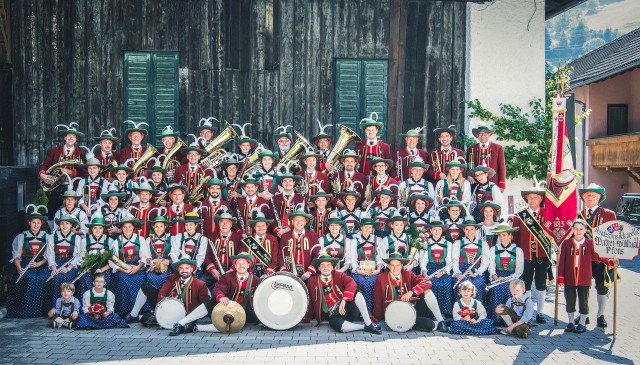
{"x":31,"y":341}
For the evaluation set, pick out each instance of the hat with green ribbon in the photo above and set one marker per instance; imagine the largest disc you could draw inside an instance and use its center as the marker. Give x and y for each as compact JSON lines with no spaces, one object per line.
{"x":268,"y":153}
{"x":397,"y":217}
{"x":348,"y":153}
{"x":456,"y":163}
{"x":450,"y":129}
{"x":184,"y":261}
{"x":259,"y":217}
{"x":215,"y":181}
{"x":299,"y":213}
{"x":71,"y":128}
{"x":372,"y":120}
{"x":160,"y":219}
{"x":136,"y":127}
{"x":242,"y":256}
{"x":105,"y":197}
{"x":321,"y":133}
{"x":385,"y":191}
{"x":593,"y":188}
{"x":413,"y":198}
{"x":92,"y":161}
{"x":415,"y":132}
{"x":67,"y":218}
{"x":324,"y":257}
{"x":122,"y":167}
{"x":70,"y":193}
{"x":108,"y":134}
{"x":470,"y":222}
{"x":168,"y":132}
{"x":207,"y":123}
{"x":435,"y":223}
{"x":281,"y":132}
{"x":489,"y":204}
{"x":129,"y":219}
{"x":504,"y":228}
{"x":396,"y":256}
{"x":36,"y":212}
{"x":482,"y":127}
{"x":225,"y":215}
{"x":491,"y":172}
{"x":334,"y":218}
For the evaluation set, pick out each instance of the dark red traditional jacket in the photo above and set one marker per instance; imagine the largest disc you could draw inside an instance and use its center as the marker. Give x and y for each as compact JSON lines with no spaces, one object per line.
{"x":319,"y":178}
{"x":577,"y":275}
{"x":107,"y":161}
{"x":598,"y":216}
{"x":359,"y":181}
{"x":302,"y":250}
{"x":282,"y":207}
{"x":384,"y":292}
{"x":184,"y":176}
{"x":523,"y":238}
{"x":177,"y":227}
{"x":245,"y":210}
{"x":342,"y":286}
{"x":197,"y":291}
{"x":229,"y":286}
{"x":56,"y":154}
{"x":432,"y":174}
{"x":225,"y":248}
{"x":380,"y":149}
{"x":127,"y":153}
{"x":144,"y":216}
{"x":492,"y":156}
{"x":208,"y":224}
{"x":271,"y":245}
{"x":403,"y":153}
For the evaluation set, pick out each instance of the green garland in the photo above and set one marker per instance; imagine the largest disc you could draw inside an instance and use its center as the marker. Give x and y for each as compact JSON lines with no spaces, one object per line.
{"x":417,"y":237}
{"x":94,"y":261}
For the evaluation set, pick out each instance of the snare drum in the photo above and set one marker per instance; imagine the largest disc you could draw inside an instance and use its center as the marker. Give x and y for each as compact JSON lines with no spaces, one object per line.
{"x":169,"y":311}
{"x":280,"y":300}
{"x":400,"y":316}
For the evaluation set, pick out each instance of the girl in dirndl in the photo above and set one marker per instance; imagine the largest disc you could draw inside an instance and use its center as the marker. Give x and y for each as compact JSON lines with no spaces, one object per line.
{"x":28,"y":298}
{"x":489,"y":217}
{"x":454,"y":187}
{"x":351,"y":213}
{"x":335,"y":243}
{"x":506,"y":261}
{"x":94,"y":242}
{"x":469,"y":315}
{"x":364,"y":268}
{"x":383,"y":210}
{"x":435,"y":263}
{"x":471,"y":257}
{"x":453,"y":218}
{"x":64,"y":254}
{"x":133,"y":251}
{"x":97,"y":308}
{"x":419,"y":213}
{"x":159,"y":246}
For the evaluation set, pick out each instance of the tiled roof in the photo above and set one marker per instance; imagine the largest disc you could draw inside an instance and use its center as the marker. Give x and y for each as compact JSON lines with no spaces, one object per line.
{"x":612,"y":59}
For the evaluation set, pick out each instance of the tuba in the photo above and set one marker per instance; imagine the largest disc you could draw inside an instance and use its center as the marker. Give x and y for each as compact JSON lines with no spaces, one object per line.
{"x":141,"y":165}
{"x":58,"y":177}
{"x":215,"y":152}
{"x":253,"y":162}
{"x":168,"y":163}
{"x":346,"y":136}
{"x":300,"y":145}
{"x":197,"y":193}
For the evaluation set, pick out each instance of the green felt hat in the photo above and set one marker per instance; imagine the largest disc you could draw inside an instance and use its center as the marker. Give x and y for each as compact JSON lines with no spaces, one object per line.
{"x":160,"y":219}
{"x":259,"y":217}
{"x":325,"y":258}
{"x":287,"y":175}
{"x":92,"y":161}
{"x":231,"y":160}
{"x":489,"y":204}
{"x":98,"y":221}
{"x":413,"y":197}
{"x":334,"y":219}
{"x":481,"y":128}
{"x":129,"y":219}
{"x":250,"y":180}
{"x":470,"y":222}
{"x":415,"y":132}
{"x":157,"y":168}
{"x":367,"y":220}
{"x":246,"y":139}
{"x":347,"y":193}
{"x":207,"y":123}
{"x":190,"y":217}
{"x":299,"y":213}
{"x":135,"y":127}
{"x":435,"y":223}
{"x":69,"y":193}
{"x":72,"y":128}
{"x":378,"y":160}
{"x":491,"y":172}
{"x":281,"y":132}
{"x":242,"y":256}
{"x":193,"y":147}
{"x":450,"y":129}
{"x":173,"y":187}
{"x":385,"y":191}
{"x":397,"y":217}
{"x":184,"y":261}
{"x":308,"y":153}
{"x":34,"y":212}
{"x":108,"y":134}
{"x":168,"y":132}
{"x":268,"y":153}
{"x":105,"y":197}
{"x":454,"y":203}
{"x":321,"y":194}
{"x":349,"y":153}
{"x":594,"y":188}
{"x":504,"y":228}
{"x":215,"y":181}
{"x":456,"y":163}
{"x":68,"y":218}
{"x":122,"y":167}
{"x":225,"y":215}
{"x":396,"y":256}
{"x":418,"y":163}
{"x":321,"y":133}
{"x":535,"y":189}
{"x":372,"y":120}
{"x":144,"y":186}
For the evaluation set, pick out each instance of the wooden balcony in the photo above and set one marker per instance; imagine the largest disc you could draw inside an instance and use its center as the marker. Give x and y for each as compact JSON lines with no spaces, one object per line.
{"x":620,"y":152}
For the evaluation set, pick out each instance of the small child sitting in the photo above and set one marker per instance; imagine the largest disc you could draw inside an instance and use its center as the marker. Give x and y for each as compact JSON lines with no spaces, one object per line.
{"x":469,"y":315}
{"x":518,"y":312}
{"x":98,"y":307}
{"x":67,"y":307}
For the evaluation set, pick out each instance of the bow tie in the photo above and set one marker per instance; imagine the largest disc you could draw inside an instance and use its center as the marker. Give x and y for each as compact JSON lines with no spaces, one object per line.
{"x":224,"y":237}
{"x":107,"y":155}
{"x":299,"y":235}
{"x":241,"y":278}
{"x":534,"y":213}
{"x":326,"y":279}
{"x":193,"y":169}
{"x":67,"y":151}
{"x":176,"y":208}
{"x":128,"y":242}
{"x":136,"y":149}
{"x":372,"y":143}
{"x":215,"y":202}
{"x":260,"y":239}
{"x":287,"y":196}
{"x":413,"y":152}
{"x":589,"y":213}
{"x":348,"y":175}
{"x":483,"y":146}
{"x":396,"y":278}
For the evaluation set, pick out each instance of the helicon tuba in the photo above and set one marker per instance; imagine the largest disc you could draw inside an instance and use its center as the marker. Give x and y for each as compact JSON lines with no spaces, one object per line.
{"x":169,"y":163}
{"x":141,"y":165}
{"x":346,"y":136}
{"x":300,"y":145}
{"x":216,"y":153}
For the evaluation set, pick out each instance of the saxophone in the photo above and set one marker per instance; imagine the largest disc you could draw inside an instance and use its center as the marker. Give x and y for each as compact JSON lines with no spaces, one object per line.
{"x":197,"y":193}
{"x":58,"y":177}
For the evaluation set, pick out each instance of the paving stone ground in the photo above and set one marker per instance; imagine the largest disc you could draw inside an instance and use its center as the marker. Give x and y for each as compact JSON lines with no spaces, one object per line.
{"x":32,"y":342}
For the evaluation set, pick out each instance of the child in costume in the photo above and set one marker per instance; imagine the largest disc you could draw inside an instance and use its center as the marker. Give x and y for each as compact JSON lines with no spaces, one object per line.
{"x":469,"y":315}
{"x":65,"y":312}
{"x":518,"y":312}
{"x":97,"y":304}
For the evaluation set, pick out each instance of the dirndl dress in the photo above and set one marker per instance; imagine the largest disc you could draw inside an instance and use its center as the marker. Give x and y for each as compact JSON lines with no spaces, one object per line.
{"x":442,"y":288}
{"x":30,"y":297}
{"x":366,"y":283}
{"x":482,"y":327}
{"x":498,"y":295}
{"x":479,"y":282}
{"x":88,"y":322}
{"x":62,"y":278}
{"x":86,"y":281}
{"x":126,"y":289}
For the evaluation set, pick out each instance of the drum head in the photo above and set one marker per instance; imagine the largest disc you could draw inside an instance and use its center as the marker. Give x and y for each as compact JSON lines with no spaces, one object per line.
{"x":280,"y":301}
{"x":400,"y":316}
{"x":169,"y":311}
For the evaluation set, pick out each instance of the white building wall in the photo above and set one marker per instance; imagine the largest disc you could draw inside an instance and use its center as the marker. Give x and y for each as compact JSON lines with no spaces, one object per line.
{"x":506,"y":62}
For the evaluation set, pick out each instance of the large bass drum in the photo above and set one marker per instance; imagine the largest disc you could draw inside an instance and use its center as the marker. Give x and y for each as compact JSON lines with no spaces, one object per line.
{"x":400,"y":316}
{"x":169,"y":311}
{"x":280,"y":301}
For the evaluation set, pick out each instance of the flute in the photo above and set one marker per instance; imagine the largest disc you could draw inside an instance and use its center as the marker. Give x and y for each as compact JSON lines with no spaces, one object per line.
{"x":464,"y":276}
{"x":53,"y":273}
{"x":30,"y":262}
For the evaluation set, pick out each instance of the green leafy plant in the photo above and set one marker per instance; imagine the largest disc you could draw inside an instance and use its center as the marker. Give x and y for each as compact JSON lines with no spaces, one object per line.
{"x":41,"y":198}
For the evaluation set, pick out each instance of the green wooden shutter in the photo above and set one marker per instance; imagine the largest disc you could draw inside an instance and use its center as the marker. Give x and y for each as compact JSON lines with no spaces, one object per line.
{"x":361,"y":88}
{"x":151,"y":82}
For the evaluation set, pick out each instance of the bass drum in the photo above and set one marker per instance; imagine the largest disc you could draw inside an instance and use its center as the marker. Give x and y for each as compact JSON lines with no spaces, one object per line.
{"x":169,"y":311}
{"x":400,"y":316}
{"x":280,"y":301}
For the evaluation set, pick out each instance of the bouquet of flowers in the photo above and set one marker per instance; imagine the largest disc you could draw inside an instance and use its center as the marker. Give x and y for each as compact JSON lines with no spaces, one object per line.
{"x":97,"y":310}
{"x":417,"y":239}
{"x":466,"y":313}
{"x":94,"y":260}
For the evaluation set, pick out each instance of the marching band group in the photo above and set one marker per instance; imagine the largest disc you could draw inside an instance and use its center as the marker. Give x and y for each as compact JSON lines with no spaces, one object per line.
{"x":413,"y":237}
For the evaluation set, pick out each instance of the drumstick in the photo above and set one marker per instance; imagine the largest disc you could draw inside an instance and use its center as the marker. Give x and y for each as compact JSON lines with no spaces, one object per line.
{"x":410,"y":299}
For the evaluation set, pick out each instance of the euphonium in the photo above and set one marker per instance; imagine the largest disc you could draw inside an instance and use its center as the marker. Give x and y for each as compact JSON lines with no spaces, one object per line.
{"x":215,"y":158}
{"x":221,"y":139}
{"x":55,"y":171}
{"x":346,"y":136}
{"x":170,"y":164}
{"x":197,"y":193}
{"x":141,"y":165}
{"x":300,"y":145}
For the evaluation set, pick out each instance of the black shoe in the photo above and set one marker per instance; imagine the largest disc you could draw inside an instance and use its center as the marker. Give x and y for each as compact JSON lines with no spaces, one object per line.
{"x":190,"y":327}
{"x":372,"y":328}
{"x":442,"y":327}
{"x":602,"y":323}
{"x":577,"y":321}
{"x":131,"y":319}
{"x":570,"y":328}
{"x":540,"y":318}
{"x":177,"y":330}
{"x":580,"y":329}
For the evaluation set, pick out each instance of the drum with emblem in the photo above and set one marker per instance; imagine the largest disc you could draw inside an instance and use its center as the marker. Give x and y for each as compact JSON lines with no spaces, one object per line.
{"x":169,"y":311}
{"x":280,"y":301}
{"x":400,"y":316}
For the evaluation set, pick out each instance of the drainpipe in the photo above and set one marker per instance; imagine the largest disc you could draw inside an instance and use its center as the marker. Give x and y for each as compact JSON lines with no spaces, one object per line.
{"x":584,"y":140}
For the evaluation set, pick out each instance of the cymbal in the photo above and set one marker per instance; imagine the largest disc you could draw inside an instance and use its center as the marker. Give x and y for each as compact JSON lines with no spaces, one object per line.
{"x":228,"y":318}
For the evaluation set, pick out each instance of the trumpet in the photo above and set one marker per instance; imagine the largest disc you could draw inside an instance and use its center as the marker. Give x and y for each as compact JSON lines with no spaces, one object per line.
{"x":498,"y":281}
{"x":289,"y":262}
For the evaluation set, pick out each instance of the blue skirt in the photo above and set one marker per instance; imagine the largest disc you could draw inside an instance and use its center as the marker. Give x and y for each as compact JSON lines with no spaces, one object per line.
{"x":62,"y":278}
{"x":126,"y":289}
{"x":365,"y":286}
{"x":498,"y":295}
{"x":483,"y":327}
{"x":30,"y":297}
{"x":157,"y":280}
{"x":86,"y":282}
{"x":479,"y":282}
{"x":88,"y":322}
{"x":442,"y":288}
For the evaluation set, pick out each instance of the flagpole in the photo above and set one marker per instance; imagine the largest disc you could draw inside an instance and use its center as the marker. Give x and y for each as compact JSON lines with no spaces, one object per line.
{"x":615,"y":299}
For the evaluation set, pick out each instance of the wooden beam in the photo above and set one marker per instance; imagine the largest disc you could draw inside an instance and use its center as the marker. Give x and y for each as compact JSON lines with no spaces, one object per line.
{"x":395,"y":101}
{"x":634,"y":175}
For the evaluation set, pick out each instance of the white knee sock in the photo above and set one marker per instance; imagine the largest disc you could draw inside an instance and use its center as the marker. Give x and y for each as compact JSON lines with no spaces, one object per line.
{"x":141,"y":299}
{"x":540,"y":295}
{"x":506,"y":319}
{"x":362,"y":307}
{"x":602,"y":304}
{"x":207,"y":328}
{"x":571,"y":317}
{"x":197,"y":313}
{"x":350,"y":327}
{"x":432,"y":304}
{"x":583,"y":319}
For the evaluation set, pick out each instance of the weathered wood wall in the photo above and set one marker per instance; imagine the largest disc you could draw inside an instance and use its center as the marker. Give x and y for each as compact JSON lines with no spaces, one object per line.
{"x":268,"y":62}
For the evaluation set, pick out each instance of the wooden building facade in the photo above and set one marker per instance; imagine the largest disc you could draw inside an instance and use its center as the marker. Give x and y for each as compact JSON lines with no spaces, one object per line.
{"x":264,"y":62}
